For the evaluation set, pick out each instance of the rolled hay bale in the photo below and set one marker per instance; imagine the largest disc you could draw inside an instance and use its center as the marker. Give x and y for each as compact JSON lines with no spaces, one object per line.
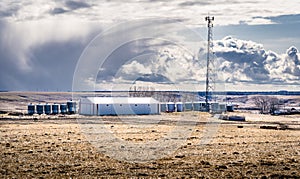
{"x":268,"y":127}
{"x":236,"y":118}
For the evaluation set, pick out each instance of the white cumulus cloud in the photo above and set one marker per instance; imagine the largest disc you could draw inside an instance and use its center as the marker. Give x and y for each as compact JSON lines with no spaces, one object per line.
{"x":247,"y":61}
{"x":239,"y":62}
{"x":174,"y":64}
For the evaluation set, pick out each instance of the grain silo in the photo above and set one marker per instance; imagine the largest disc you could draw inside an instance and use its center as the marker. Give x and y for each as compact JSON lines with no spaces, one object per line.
{"x":63,"y":108}
{"x":163,"y":107}
{"x":188,"y":106}
{"x":230,"y":107}
{"x":217,"y":107}
{"x":171,"y":107}
{"x":31,"y":109}
{"x":71,"y":107}
{"x":55,"y":109}
{"x":199,"y":106}
{"x":118,"y":106}
{"x":179,"y":107}
{"x":47,"y":109}
{"x":39,"y":109}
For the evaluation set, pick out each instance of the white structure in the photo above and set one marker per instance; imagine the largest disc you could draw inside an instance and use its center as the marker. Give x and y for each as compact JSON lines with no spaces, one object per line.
{"x":118,"y":106}
{"x":217,"y":107}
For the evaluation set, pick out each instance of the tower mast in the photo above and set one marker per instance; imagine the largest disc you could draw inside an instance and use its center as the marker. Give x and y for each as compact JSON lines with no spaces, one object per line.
{"x":209,"y":62}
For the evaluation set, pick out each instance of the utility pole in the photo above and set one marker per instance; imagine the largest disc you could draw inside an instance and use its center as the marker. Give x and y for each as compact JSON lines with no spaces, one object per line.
{"x":209,"y":62}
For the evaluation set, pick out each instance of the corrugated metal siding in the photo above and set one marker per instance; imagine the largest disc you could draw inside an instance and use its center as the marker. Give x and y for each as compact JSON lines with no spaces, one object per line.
{"x":113,"y":106}
{"x":122,"y":100}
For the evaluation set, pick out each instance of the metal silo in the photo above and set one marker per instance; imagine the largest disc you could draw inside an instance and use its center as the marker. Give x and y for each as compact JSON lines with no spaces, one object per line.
{"x":31,"y":109}
{"x":47,"y":109}
{"x":163,"y":107}
{"x":196,"y":106}
{"x":63,"y":108}
{"x":39,"y":109}
{"x":55,"y":109}
{"x":171,"y":107}
{"x":188,"y":106}
{"x":71,"y":107}
{"x":214,"y":107}
{"x":179,"y":107}
{"x":230,"y":107}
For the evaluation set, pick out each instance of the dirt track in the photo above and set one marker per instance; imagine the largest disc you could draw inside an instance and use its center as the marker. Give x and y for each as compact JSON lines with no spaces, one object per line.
{"x":58,"y":148}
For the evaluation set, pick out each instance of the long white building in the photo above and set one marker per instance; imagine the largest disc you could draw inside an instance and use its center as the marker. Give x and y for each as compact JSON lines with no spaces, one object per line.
{"x":118,"y":106}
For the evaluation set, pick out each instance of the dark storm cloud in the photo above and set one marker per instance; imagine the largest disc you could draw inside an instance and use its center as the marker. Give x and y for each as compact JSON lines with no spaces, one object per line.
{"x":56,"y":62}
{"x":69,"y":6}
{"x":9,"y":72}
{"x":73,"y":5}
{"x":9,"y":12}
{"x":206,"y":3}
{"x":285,"y":19}
{"x":193,"y":3}
{"x":58,"y":10}
{"x":119,"y":57}
{"x":52,"y":63}
{"x":140,"y":50}
{"x":151,"y":1}
{"x":157,"y":78}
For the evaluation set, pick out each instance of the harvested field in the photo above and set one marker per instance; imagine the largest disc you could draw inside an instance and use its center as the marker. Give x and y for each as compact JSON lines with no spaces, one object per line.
{"x":64,"y":146}
{"x":58,"y":148}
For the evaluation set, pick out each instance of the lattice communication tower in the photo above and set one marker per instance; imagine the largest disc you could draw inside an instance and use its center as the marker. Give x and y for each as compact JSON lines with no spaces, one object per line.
{"x":210,"y":81}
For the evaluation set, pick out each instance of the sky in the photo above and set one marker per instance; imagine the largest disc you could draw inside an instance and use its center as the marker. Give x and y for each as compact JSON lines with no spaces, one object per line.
{"x":44,"y":45}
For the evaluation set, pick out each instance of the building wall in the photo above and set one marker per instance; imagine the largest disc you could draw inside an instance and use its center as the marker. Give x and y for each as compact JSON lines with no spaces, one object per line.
{"x":87,"y":107}
{"x":128,"y":109}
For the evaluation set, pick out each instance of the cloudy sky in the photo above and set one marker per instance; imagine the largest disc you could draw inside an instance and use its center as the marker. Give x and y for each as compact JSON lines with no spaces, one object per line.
{"x":42,"y":42}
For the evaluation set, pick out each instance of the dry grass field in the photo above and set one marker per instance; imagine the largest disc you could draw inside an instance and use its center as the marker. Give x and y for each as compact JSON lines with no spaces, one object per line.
{"x":52,"y":147}
{"x":58,"y":148}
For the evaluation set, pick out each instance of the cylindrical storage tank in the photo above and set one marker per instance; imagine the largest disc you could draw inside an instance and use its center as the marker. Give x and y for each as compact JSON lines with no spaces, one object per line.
{"x":47,"y":109}
{"x":236,"y":118}
{"x":163,"y":107}
{"x":55,"y":109}
{"x":203,"y":106}
{"x":188,"y":106}
{"x":222,"y":108}
{"x":63,"y":108}
{"x":196,"y":106}
{"x":39,"y":109}
{"x":214,"y":107}
{"x":31,"y":109}
{"x":230,"y":108}
{"x":179,"y":107}
{"x":71,"y":107}
{"x":171,"y":107}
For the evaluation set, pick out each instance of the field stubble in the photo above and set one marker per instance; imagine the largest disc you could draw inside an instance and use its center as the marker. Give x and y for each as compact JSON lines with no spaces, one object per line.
{"x":59,"y":148}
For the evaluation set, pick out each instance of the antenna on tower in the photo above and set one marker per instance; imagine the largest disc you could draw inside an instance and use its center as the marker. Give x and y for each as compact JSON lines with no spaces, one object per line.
{"x":209,"y":62}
